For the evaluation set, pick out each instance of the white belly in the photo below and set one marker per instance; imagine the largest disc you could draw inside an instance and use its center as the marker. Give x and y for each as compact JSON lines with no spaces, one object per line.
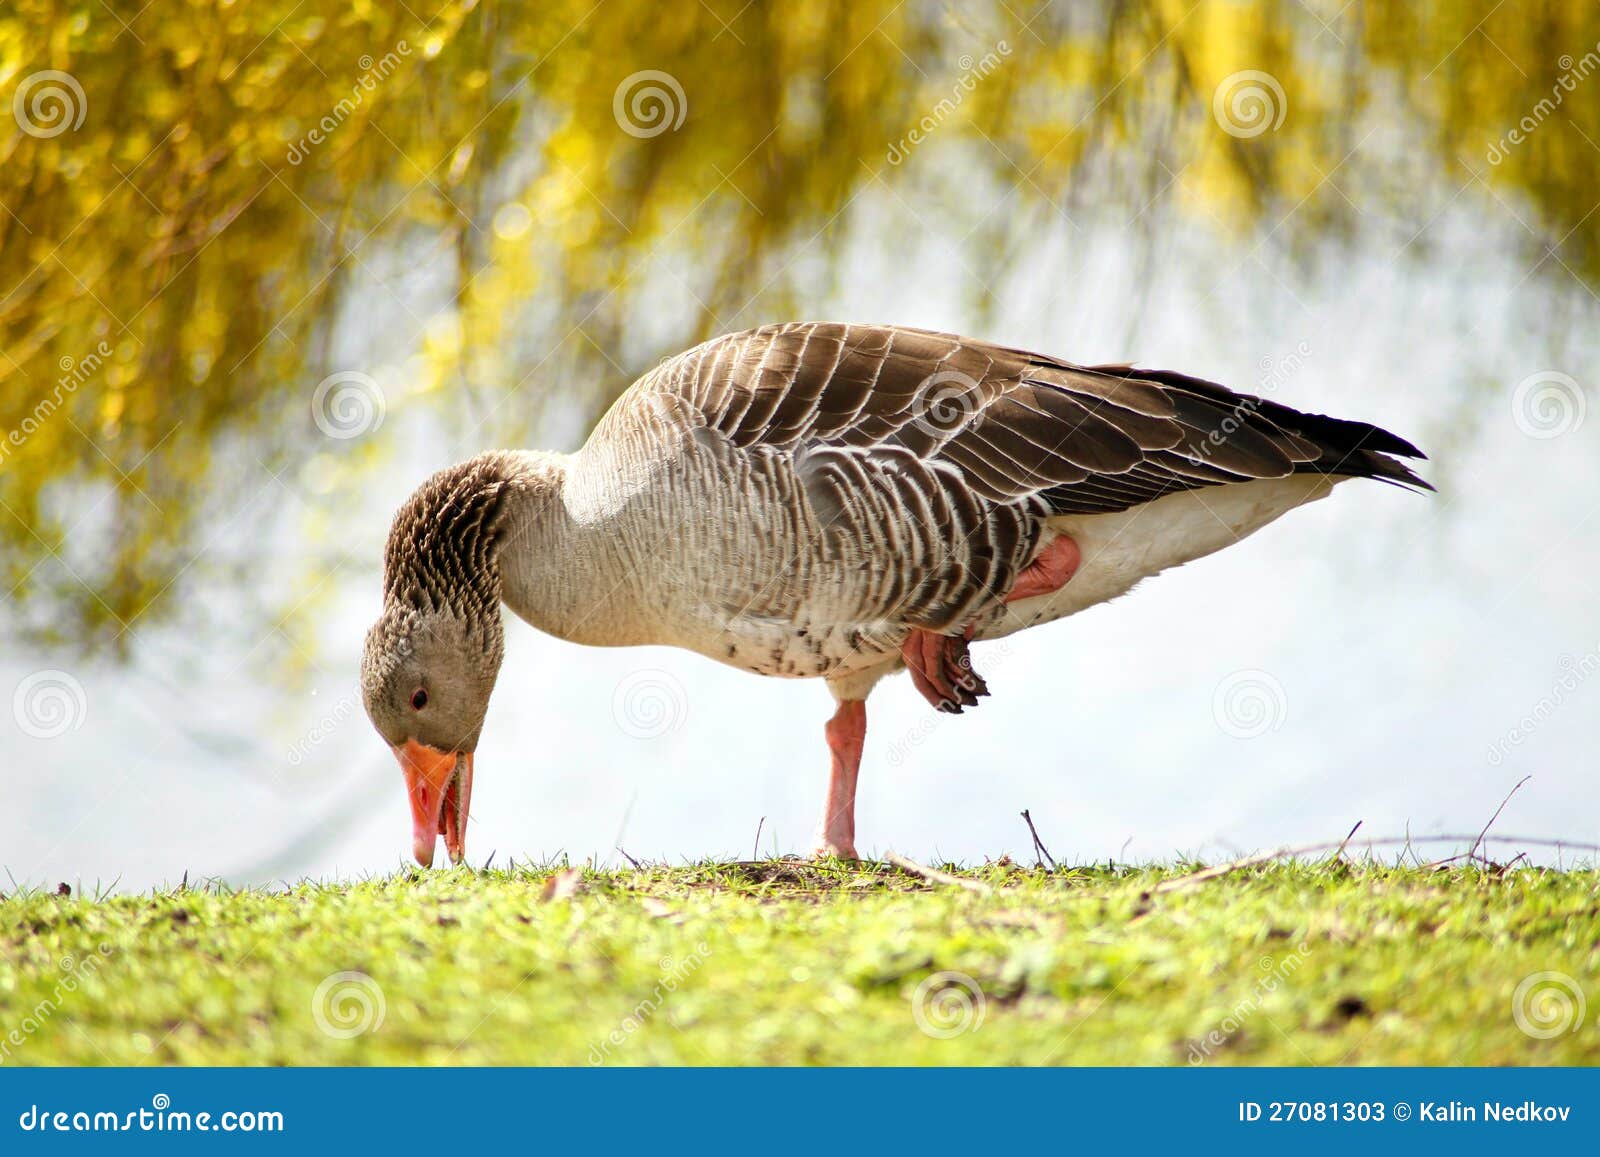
{"x":1121,"y":549}
{"x":1118,"y":550}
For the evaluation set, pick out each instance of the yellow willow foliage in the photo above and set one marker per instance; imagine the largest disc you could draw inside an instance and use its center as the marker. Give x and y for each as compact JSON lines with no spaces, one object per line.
{"x":197,"y":196}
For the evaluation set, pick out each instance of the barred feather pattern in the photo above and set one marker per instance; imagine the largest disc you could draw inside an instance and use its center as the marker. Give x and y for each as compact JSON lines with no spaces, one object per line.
{"x":442,"y":556}
{"x":824,"y":488}
{"x":795,"y":499}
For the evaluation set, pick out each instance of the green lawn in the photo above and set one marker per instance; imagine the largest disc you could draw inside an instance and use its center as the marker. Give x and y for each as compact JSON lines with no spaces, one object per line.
{"x":786,"y":963}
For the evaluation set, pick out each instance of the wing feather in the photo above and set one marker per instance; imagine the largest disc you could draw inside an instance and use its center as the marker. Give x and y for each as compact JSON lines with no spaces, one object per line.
{"x":939,"y":445}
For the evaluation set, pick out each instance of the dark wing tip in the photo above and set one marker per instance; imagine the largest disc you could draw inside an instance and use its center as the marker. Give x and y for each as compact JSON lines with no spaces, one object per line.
{"x":1384,"y":469}
{"x":1370,"y":437}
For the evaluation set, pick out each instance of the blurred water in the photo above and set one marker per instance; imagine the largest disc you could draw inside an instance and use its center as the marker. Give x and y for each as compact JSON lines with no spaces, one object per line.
{"x":1405,"y":660}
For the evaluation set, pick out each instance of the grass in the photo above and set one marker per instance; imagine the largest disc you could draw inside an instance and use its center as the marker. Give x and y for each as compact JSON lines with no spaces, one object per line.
{"x":780,"y":962}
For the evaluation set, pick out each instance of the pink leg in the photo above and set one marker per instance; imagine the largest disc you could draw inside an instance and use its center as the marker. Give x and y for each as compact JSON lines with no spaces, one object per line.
{"x":1048,"y":573}
{"x":846,"y":732}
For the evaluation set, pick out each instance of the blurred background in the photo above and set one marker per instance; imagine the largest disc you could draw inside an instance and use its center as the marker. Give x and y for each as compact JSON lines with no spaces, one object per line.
{"x":264,"y":266}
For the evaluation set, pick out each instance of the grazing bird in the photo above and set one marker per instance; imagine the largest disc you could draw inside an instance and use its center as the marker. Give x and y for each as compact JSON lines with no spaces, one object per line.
{"x":825,"y":501}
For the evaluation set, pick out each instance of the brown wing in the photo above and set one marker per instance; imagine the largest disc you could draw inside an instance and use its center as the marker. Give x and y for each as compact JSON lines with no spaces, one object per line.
{"x":1016,"y":425}
{"x":954,"y":451}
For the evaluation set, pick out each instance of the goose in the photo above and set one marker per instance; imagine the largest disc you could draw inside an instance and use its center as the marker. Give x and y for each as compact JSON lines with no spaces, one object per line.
{"x":831,"y":501}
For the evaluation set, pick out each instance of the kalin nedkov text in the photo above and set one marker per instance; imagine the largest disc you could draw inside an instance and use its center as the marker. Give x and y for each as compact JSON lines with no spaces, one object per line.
{"x":1491,"y":1111}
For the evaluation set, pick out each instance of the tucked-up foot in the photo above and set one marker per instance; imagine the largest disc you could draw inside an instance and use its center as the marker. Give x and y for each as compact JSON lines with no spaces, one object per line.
{"x":941,"y":668}
{"x":1049,"y":572}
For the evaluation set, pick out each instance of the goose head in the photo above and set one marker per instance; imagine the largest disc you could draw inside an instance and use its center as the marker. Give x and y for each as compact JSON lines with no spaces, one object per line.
{"x":431,"y":659}
{"x":426,"y":680}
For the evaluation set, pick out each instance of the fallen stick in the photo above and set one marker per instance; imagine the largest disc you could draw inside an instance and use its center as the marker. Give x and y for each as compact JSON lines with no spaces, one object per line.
{"x":1334,"y":845}
{"x":935,"y":875}
{"x":1212,"y":873}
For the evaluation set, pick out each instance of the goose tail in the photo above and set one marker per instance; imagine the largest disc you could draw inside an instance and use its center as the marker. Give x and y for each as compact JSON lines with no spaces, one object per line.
{"x":1349,"y":449}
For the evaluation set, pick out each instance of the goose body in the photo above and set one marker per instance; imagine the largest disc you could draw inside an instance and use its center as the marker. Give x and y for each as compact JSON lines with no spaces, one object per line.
{"x":833,"y":501}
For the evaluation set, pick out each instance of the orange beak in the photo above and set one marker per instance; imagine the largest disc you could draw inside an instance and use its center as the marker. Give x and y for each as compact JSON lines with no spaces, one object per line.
{"x":439,"y":786}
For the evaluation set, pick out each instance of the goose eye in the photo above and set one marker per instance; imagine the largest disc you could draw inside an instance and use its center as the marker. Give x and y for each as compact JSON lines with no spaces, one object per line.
{"x":419,"y":699}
